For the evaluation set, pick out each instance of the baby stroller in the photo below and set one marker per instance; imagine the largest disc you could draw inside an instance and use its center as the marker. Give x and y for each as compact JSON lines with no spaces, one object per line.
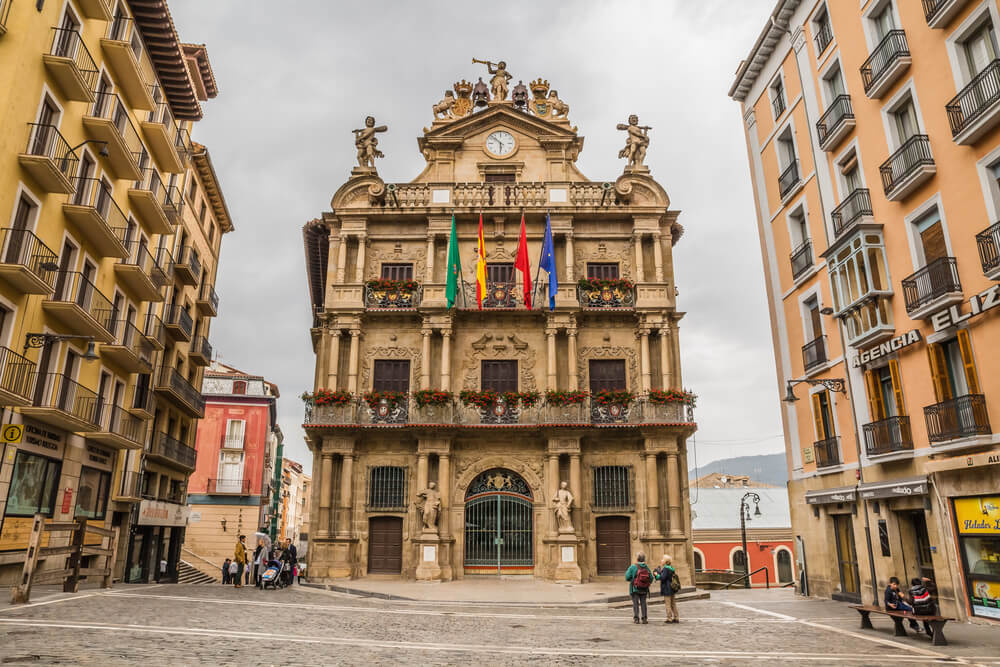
{"x":273,"y":575}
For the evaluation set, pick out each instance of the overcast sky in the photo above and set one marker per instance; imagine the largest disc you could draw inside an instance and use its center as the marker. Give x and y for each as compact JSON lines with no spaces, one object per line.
{"x":295,"y":77}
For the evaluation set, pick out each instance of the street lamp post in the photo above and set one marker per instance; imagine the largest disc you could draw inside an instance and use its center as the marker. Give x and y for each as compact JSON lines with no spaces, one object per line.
{"x":744,"y":517}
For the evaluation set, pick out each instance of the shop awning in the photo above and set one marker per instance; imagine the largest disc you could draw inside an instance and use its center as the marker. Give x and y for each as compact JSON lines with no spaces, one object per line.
{"x":843,"y":494}
{"x":894,"y":488}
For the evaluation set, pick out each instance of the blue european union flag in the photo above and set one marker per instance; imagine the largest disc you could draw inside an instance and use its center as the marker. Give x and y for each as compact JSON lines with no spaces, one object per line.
{"x":548,"y":262}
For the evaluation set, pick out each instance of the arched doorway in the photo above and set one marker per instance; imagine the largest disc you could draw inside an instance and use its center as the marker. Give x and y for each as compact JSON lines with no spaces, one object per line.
{"x":498,"y":524}
{"x":784,"y":566}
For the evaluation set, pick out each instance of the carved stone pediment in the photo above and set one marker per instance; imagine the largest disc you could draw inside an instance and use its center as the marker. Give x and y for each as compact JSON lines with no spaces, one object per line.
{"x":373,"y":353}
{"x":375,"y":256}
{"x":490,"y":346}
{"x":607,"y":251}
{"x":628,"y":353}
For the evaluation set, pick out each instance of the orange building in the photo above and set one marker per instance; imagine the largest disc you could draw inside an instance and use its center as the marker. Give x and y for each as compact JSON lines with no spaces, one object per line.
{"x":874,"y":152}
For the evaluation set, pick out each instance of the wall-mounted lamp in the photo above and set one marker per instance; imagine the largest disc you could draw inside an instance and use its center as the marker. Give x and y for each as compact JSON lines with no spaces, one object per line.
{"x":826,"y":311}
{"x":223,"y":522}
{"x":835,"y":385}
{"x":39,"y":340}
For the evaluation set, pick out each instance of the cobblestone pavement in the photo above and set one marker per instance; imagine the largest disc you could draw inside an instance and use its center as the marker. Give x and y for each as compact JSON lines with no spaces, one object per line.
{"x":215,"y":625}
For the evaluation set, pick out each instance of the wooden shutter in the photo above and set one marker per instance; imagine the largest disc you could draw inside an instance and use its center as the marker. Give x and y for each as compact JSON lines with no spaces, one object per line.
{"x":897,"y":387}
{"x":818,"y":416}
{"x":965,"y":347}
{"x":602,"y":270}
{"x":499,"y":273}
{"x":875,"y":404}
{"x":391,"y":375}
{"x":499,"y":375}
{"x":397,"y":271}
{"x":932,"y":240}
{"x":607,"y":374}
{"x":939,"y":372}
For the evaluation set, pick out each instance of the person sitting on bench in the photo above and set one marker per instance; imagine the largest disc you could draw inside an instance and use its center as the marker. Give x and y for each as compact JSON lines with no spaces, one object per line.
{"x":922,"y":601}
{"x":894,"y":601}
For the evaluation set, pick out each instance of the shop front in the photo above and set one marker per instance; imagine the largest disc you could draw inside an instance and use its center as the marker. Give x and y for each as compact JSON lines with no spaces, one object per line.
{"x":155,"y":543}
{"x":977,"y":525}
{"x":35,"y":468}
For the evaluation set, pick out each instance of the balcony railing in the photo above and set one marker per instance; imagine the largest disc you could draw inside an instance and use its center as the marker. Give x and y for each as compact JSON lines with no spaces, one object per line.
{"x":988,"y":241}
{"x":892,"y":47}
{"x":128,"y":336}
{"x":140,"y":256}
{"x":20,"y":247}
{"x":827,"y":452}
{"x":888,"y":436}
{"x":233,"y":486}
{"x":142,"y":397}
{"x":129,"y":485}
{"x":162,"y":115}
{"x":377,"y":297}
{"x":175,"y":315}
{"x":4,"y":13}
{"x":116,"y":420}
{"x":17,"y":373}
{"x":110,"y":107}
{"x":210,"y":297}
{"x":174,"y":450}
{"x":182,"y":142}
{"x":788,"y":179}
{"x":499,"y":295}
{"x":45,"y":141}
{"x":94,"y":194}
{"x":63,"y":393}
{"x":908,"y":158}
{"x":175,"y":382}
{"x":955,"y":418}
{"x":202,"y":347}
{"x":839,"y":112}
{"x":68,"y":44}
{"x":151,"y":181}
{"x":153,"y":330}
{"x":74,"y":287}
{"x":778,"y":104}
{"x":824,"y":35}
{"x":857,"y":205}
{"x":606,"y":297}
{"x":802,"y":259}
{"x":973,"y":101}
{"x":937,"y":279}
{"x":187,"y":259}
{"x":814,"y":353}
{"x":932,"y":8}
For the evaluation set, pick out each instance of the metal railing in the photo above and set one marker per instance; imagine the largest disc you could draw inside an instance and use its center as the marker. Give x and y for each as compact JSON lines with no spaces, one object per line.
{"x":376,"y":297}
{"x":208,"y":294}
{"x":173,"y":449}
{"x":63,"y":393}
{"x":117,"y":420}
{"x":109,"y":106}
{"x":973,"y":101}
{"x":200,"y":345}
{"x":802,"y":258}
{"x":142,"y":395}
{"x":46,"y":141}
{"x":176,"y":315}
{"x":124,"y":29}
{"x":988,"y":242}
{"x":853,"y":208}
{"x":129,"y":485}
{"x":224,"y":485}
{"x":139,"y":256}
{"x":500,"y":295}
{"x":128,"y":336}
{"x":22,"y":247}
{"x":74,"y":287}
{"x":814,"y":353}
{"x":4,"y":13}
{"x":95,"y":194}
{"x":153,"y":328}
{"x":888,"y":435}
{"x":908,"y":158}
{"x":386,"y":488}
{"x":788,"y":179}
{"x":778,"y":103}
{"x":930,"y":283}
{"x":170,"y":378}
{"x":161,"y":113}
{"x":189,"y":257}
{"x":824,"y":35}
{"x":17,"y":373}
{"x":827,"y":452}
{"x":839,"y":111}
{"x":932,"y":7}
{"x":613,"y":488}
{"x":746,"y":577}
{"x":959,"y":417}
{"x":609,"y":297}
{"x":165,"y":261}
{"x":151,"y":181}
{"x":892,"y":47}
{"x":182,"y":142}
{"x":173,"y":203}
{"x":67,"y":43}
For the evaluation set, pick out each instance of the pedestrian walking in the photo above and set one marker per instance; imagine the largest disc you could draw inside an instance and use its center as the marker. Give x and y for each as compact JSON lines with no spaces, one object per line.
{"x":225,"y":571}
{"x":667,"y":575}
{"x":258,"y":556}
{"x":293,"y":559}
{"x":640,"y":578}
{"x":240,"y":558}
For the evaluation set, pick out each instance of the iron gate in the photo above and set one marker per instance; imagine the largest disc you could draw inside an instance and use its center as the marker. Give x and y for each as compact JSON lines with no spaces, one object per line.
{"x":498,"y":523}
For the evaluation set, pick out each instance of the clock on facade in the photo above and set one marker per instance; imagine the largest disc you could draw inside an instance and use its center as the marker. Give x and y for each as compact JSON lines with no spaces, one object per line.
{"x":500,"y":143}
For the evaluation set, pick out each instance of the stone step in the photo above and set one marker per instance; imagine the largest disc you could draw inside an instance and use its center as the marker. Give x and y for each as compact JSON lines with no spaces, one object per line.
{"x":189,"y":574}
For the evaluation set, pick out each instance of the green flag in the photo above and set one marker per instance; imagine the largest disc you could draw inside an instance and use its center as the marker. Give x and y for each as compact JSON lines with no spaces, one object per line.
{"x":454,"y":266}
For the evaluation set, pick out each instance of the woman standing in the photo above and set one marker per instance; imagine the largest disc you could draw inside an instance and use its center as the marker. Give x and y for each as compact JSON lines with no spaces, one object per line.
{"x":665,"y":573}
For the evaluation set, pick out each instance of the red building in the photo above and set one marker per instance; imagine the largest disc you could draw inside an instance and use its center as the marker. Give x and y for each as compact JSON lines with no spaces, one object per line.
{"x":717,"y":536}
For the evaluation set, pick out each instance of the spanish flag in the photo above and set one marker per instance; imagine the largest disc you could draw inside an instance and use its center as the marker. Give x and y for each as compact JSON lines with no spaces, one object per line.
{"x":481,"y":267}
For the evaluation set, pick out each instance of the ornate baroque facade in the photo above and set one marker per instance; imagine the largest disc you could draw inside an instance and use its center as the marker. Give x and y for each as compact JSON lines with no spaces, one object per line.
{"x":441,"y":491}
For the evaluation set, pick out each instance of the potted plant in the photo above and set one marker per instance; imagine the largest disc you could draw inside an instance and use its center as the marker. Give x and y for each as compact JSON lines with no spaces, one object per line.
{"x":560,"y":398}
{"x":425,"y":397}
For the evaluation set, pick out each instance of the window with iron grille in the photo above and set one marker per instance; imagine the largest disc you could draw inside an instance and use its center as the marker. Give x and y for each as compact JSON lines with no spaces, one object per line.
{"x":602,"y":270}
{"x":387,"y":488}
{"x":613,"y":488}
{"x":397,"y":271}
{"x":391,"y":375}
{"x":497,"y":272}
{"x":500,"y":375}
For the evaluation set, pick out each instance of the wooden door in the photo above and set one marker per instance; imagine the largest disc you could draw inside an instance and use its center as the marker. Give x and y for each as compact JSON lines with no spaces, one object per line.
{"x":614,"y":554}
{"x":607,"y":375}
{"x":385,"y":545}
{"x":391,"y":375}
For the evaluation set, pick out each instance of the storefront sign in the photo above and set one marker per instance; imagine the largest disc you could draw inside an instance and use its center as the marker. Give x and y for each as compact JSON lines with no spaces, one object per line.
{"x":979,"y":515}
{"x":845,"y":494}
{"x":98,"y":457}
{"x":889,"y":346}
{"x":43,"y":440}
{"x":159,"y":513}
{"x":978,"y":304}
{"x":894,"y":488}
{"x":11,"y":432}
{"x":965,"y":461}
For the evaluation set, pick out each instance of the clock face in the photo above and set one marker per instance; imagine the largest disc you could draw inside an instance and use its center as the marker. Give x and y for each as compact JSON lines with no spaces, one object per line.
{"x":500,"y":142}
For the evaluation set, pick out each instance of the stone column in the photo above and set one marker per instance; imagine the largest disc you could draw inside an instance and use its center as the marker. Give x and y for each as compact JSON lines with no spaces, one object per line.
{"x":333,"y":256}
{"x":576,"y":488}
{"x":644,"y":358}
{"x":342,"y":261}
{"x":429,"y":277}
{"x":421,"y":472}
{"x":444,"y":486}
{"x":352,"y":362}
{"x":640,"y":272}
{"x":346,"y":479}
{"x":553,"y":486}
{"x":666,"y":367}
{"x":658,"y":256}
{"x":652,"y":495}
{"x":359,"y":270}
{"x":570,"y":258}
{"x":676,"y":350}
{"x":321,"y":358}
{"x":674,"y":494}
{"x":333,"y":364}
{"x":425,"y":367}
{"x":325,"y":499}
{"x":551,"y":356}
{"x":445,"y":360}
{"x":574,"y":380}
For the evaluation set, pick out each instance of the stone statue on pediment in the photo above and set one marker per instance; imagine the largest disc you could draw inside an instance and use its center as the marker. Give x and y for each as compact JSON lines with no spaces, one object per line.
{"x":636,"y":142}
{"x":367,"y":143}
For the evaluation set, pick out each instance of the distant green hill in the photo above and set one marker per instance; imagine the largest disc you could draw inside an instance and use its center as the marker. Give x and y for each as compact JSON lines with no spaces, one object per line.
{"x":766,"y":468}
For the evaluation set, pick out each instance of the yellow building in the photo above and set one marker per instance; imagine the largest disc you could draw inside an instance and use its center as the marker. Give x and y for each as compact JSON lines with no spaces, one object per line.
{"x":107,"y":270}
{"x":874,"y":152}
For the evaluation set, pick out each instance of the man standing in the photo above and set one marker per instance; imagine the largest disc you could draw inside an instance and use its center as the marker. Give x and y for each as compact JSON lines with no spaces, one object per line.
{"x":639,"y":577}
{"x":293,"y":559}
{"x":240,"y":556}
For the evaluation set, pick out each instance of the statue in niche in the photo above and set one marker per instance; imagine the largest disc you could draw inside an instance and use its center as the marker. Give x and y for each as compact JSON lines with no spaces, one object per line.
{"x":429,"y":504}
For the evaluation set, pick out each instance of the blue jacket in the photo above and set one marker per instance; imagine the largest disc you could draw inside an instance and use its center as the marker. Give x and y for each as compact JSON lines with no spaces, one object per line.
{"x":665,"y":575}
{"x":630,"y":576}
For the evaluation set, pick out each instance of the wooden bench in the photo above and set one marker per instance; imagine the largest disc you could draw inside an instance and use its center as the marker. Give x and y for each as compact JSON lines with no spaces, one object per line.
{"x":936,"y":623}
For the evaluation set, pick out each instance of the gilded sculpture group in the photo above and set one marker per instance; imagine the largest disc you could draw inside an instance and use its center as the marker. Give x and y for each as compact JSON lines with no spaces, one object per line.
{"x":461,"y":101}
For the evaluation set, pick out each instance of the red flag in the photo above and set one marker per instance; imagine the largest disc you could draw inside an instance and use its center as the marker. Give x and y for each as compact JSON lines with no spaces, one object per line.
{"x":480,"y":266}
{"x":522,"y":264}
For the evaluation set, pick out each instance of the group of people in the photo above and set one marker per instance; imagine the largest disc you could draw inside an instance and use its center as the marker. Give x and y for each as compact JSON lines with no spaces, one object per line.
{"x":236,"y":570}
{"x":918,"y":600}
{"x":641,"y":578}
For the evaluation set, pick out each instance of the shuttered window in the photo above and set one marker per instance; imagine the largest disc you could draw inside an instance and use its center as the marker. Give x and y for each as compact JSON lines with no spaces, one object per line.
{"x":499,"y":272}
{"x":391,"y":375}
{"x":500,"y":178}
{"x":953,"y":368}
{"x":397,"y":271}
{"x":602,"y":270}
{"x":387,"y":487}
{"x":499,"y":375}
{"x":885,"y":392}
{"x":612,"y":488}
{"x":822,"y":416}
{"x":607,"y":375}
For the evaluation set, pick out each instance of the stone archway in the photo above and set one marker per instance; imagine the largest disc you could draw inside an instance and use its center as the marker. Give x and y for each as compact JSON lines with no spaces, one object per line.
{"x":498,"y":525}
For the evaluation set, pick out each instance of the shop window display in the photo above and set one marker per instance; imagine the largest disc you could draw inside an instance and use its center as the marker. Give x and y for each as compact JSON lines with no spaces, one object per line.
{"x":978,"y":523}
{"x":33,"y":485}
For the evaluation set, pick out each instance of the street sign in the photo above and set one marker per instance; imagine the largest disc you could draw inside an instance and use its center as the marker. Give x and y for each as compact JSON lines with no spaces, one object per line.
{"x":12,"y":432}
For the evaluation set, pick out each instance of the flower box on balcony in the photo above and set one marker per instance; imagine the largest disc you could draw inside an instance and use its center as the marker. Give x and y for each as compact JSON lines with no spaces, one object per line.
{"x":665,"y":396}
{"x":425,"y":397}
{"x":327,"y":397}
{"x":387,"y":293}
{"x":557,"y":398}
{"x":606,"y":293}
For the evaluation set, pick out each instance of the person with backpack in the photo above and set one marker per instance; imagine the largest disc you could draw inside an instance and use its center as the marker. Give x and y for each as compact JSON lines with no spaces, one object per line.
{"x":923,"y":602}
{"x":670,"y":583}
{"x":640,"y":578}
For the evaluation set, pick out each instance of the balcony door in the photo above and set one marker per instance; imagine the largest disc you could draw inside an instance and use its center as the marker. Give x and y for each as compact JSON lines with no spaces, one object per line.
{"x":607,"y":375}
{"x":391,"y":375}
{"x":980,"y":49}
{"x":953,"y":369}
{"x":931,"y":234}
{"x":847,"y":559}
{"x":397,"y":271}
{"x":884,"y":22}
{"x":499,"y":375}
{"x":499,"y":273}
{"x":230,"y":472}
{"x":905,"y":120}
{"x":815,"y":319}
{"x":25,"y":212}
{"x":83,"y":185}
{"x":43,"y":130}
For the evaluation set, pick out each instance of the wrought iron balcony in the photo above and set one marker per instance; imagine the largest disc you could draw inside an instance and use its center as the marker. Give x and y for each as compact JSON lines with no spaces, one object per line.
{"x":128,"y":487}
{"x":778,"y":104}
{"x":49,"y":159}
{"x":802,"y":259}
{"x":888,"y":436}
{"x":814,"y":353}
{"x":955,"y":418}
{"x":94,"y":212}
{"x":200,"y":353}
{"x":182,"y":142}
{"x":823,"y":37}
{"x":70,"y":64}
{"x":177,"y":322}
{"x":141,"y":273}
{"x":500,"y":295}
{"x":61,"y":401}
{"x":207,"y":301}
{"x":81,"y":307}
{"x":130,"y":349}
{"x":835,"y":123}
{"x":17,"y":375}
{"x":856,"y":206}
{"x":187,"y":266}
{"x":988,"y":241}
{"x":827,"y":452}
{"x":109,"y":122}
{"x":173,"y":451}
{"x":606,"y":296}
{"x":125,"y":53}
{"x":789,"y":179}
{"x":148,"y":198}
{"x":931,"y":287}
{"x":26,"y":263}
{"x":886,"y":64}
{"x":173,"y":204}
{"x":4,"y":13}
{"x":183,"y":393}
{"x":161,"y":130}
{"x":154,"y":331}
{"x":908,"y":167}
{"x":394,"y":297}
{"x":118,"y":427}
{"x":976,"y":108}
{"x":141,"y":402}
{"x":939,"y":12}
{"x":239,"y":487}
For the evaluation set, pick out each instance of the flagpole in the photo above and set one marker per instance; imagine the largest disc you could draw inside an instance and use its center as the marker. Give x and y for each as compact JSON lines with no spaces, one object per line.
{"x":461,"y":273}
{"x":538,"y":270}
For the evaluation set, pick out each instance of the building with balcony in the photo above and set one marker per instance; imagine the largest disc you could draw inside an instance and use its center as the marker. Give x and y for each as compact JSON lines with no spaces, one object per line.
{"x":888,"y":337}
{"x":229,"y":492}
{"x":293,"y":505}
{"x":103,"y":189}
{"x":496,"y":403}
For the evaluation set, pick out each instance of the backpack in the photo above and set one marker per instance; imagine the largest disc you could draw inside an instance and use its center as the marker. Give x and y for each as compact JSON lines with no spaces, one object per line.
{"x":675,"y":582}
{"x":642,"y":578}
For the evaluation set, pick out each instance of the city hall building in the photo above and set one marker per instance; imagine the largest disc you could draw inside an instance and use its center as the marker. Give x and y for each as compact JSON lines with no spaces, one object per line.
{"x":441,"y":436}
